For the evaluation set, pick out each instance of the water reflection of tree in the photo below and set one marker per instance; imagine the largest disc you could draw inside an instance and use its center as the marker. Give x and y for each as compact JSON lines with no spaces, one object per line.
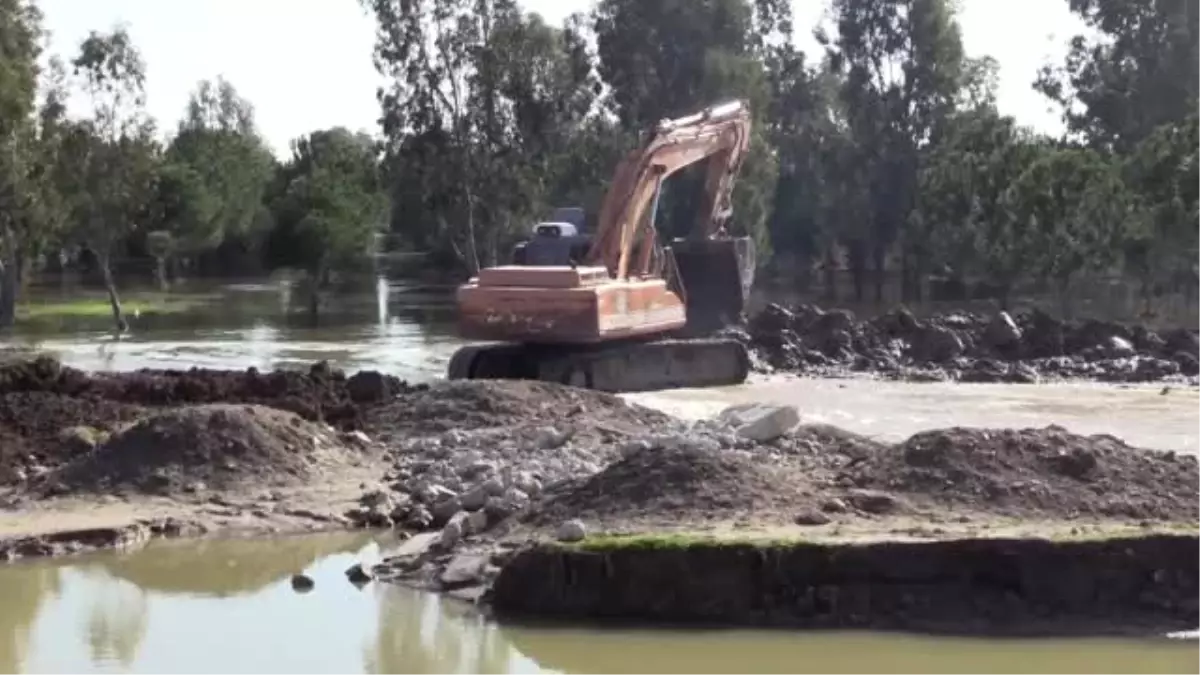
{"x":116,"y":624}
{"x":226,"y":567}
{"x":418,"y":633}
{"x":24,"y":589}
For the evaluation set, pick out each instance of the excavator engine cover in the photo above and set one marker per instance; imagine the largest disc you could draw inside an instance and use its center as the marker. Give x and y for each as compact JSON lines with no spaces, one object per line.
{"x":716,"y":276}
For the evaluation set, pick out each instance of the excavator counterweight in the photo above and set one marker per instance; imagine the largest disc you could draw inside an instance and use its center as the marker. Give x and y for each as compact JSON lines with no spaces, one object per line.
{"x":619,"y":311}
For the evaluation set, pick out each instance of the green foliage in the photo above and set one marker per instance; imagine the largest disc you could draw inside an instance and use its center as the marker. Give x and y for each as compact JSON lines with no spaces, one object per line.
{"x":962,"y":215}
{"x":1067,"y":214}
{"x":666,"y":59}
{"x":1163,"y":174}
{"x":330,"y":204}
{"x":217,"y":169}
{"x":1138,"y":72}
{"x":884,"y":152}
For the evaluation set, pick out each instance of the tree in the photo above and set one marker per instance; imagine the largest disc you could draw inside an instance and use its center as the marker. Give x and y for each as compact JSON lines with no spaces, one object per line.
{"x":217,"y":169}
{"x":905,"y":71}
{"x":30,"y":206}
{"x":329,"y":207}
{"x":960,"y":223}
{"x":1138,"y":73}
{"x":110,"y":159}
{"x":483,"y":105}
{"x":1068,"y":213}
{"x":1162,"y":172}
{"x":805,"y":130}
{"x":670,"y":58}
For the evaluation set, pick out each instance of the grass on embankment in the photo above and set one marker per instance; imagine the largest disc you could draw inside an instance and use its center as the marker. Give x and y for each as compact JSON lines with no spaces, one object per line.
{"x":91,"y":307}
{"x":684,"y":541}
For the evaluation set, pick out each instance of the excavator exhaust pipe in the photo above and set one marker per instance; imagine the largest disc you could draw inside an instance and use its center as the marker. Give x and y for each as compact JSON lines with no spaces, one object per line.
{"x":714,"y":277}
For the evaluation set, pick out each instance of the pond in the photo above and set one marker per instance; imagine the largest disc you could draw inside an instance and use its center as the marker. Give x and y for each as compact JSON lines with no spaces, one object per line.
{"x":228,"y":606}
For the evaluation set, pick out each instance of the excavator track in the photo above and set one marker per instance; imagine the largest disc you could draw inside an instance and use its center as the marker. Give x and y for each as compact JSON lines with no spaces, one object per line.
{"x":614,"y":367}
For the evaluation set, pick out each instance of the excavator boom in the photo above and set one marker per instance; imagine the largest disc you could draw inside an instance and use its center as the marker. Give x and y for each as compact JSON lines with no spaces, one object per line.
{"x":601,"y":315}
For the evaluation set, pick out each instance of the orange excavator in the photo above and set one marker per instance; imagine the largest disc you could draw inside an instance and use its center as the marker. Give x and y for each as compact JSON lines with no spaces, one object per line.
{"x":619,"y":311}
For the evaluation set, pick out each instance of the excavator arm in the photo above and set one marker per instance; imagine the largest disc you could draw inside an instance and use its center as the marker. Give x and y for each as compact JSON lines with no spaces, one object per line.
{"x":719,"y":134}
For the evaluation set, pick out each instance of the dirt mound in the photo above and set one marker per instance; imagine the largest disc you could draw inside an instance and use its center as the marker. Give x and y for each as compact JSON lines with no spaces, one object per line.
{"x":220,"y":446}
{"x":967,"y":346}
{"x":41,"y":430}
{"x":499,"y":403}
{"x":322,"y":393}
{"x":1047,"y":472}
{"x":673,"y":484}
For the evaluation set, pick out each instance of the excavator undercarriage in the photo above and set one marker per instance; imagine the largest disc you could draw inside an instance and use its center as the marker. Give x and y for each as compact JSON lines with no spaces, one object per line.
{"x":620,"y":312}
{"x":610,"y":337}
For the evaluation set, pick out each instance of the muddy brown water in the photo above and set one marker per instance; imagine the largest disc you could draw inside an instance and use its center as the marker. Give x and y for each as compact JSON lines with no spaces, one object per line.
{"x":228,"y":606}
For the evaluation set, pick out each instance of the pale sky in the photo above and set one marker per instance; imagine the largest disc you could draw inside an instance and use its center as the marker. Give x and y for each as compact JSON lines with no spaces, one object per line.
{"x":306,"y":64}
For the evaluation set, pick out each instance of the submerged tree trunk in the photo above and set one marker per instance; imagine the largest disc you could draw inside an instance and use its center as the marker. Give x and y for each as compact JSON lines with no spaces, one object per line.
{"x":114,"y":300}
{"x":317,"y":278}
{"x":472,"y":251}
{"x":13,"y":274}
{"x":160,"y":274}
{"x":858,"y":268}
{"x":878,"y":264}
{"x":8,"y":293}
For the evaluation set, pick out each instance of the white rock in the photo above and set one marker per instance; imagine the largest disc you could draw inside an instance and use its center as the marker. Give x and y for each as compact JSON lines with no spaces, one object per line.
{"x":464,"y":568}
{"x":516,"y":498}
{"x":631,"y":448}
{"x":493,"y":486}
{"x":587,"y":468}
{"x":1002,"y":331}
{"x":571,"y":531}
{"x":452,"y":531}
{"x":433,"y":493}
{"x":761,"y":422}
{"x":1118,"y":347}
{"x":547,"y":438}
{"x":481,"y":467}
{"x":473,"y":499}
{"x":476,"y":522}
{"x":375,"y":498}
{"x":455,"y":437}
{"x":526,"y":482}
{"x":446,"y":509}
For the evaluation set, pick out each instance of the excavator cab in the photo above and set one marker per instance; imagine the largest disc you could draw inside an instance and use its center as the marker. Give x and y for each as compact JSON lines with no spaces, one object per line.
{"x":557,"y":241}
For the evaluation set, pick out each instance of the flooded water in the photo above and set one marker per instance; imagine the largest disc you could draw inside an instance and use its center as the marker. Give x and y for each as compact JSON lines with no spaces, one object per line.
{"x":401,"y":328}
{"x":407,"y":330}
{"x":228,"y":606}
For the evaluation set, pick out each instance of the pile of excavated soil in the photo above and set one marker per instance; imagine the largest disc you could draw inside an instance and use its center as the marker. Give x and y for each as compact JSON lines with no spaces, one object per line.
{"x":967,"y":346}
{"x":1048,"y":472}
{"x":482,"y":404}
{"x":50,"y":414}
{"x":820,"y":473}
{"x":41,"y":430}
{"x":219,"y":446}
{"x":322,"y":393}
{"x":676,"y":484}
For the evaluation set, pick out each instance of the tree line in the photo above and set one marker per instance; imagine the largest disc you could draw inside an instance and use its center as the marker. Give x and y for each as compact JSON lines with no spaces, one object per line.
{"x":884,"y":152}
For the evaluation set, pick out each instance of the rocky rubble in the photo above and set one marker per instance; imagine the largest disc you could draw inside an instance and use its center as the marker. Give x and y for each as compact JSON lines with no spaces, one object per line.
{"x":967,"y":347}
{"x":477,"y":496}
